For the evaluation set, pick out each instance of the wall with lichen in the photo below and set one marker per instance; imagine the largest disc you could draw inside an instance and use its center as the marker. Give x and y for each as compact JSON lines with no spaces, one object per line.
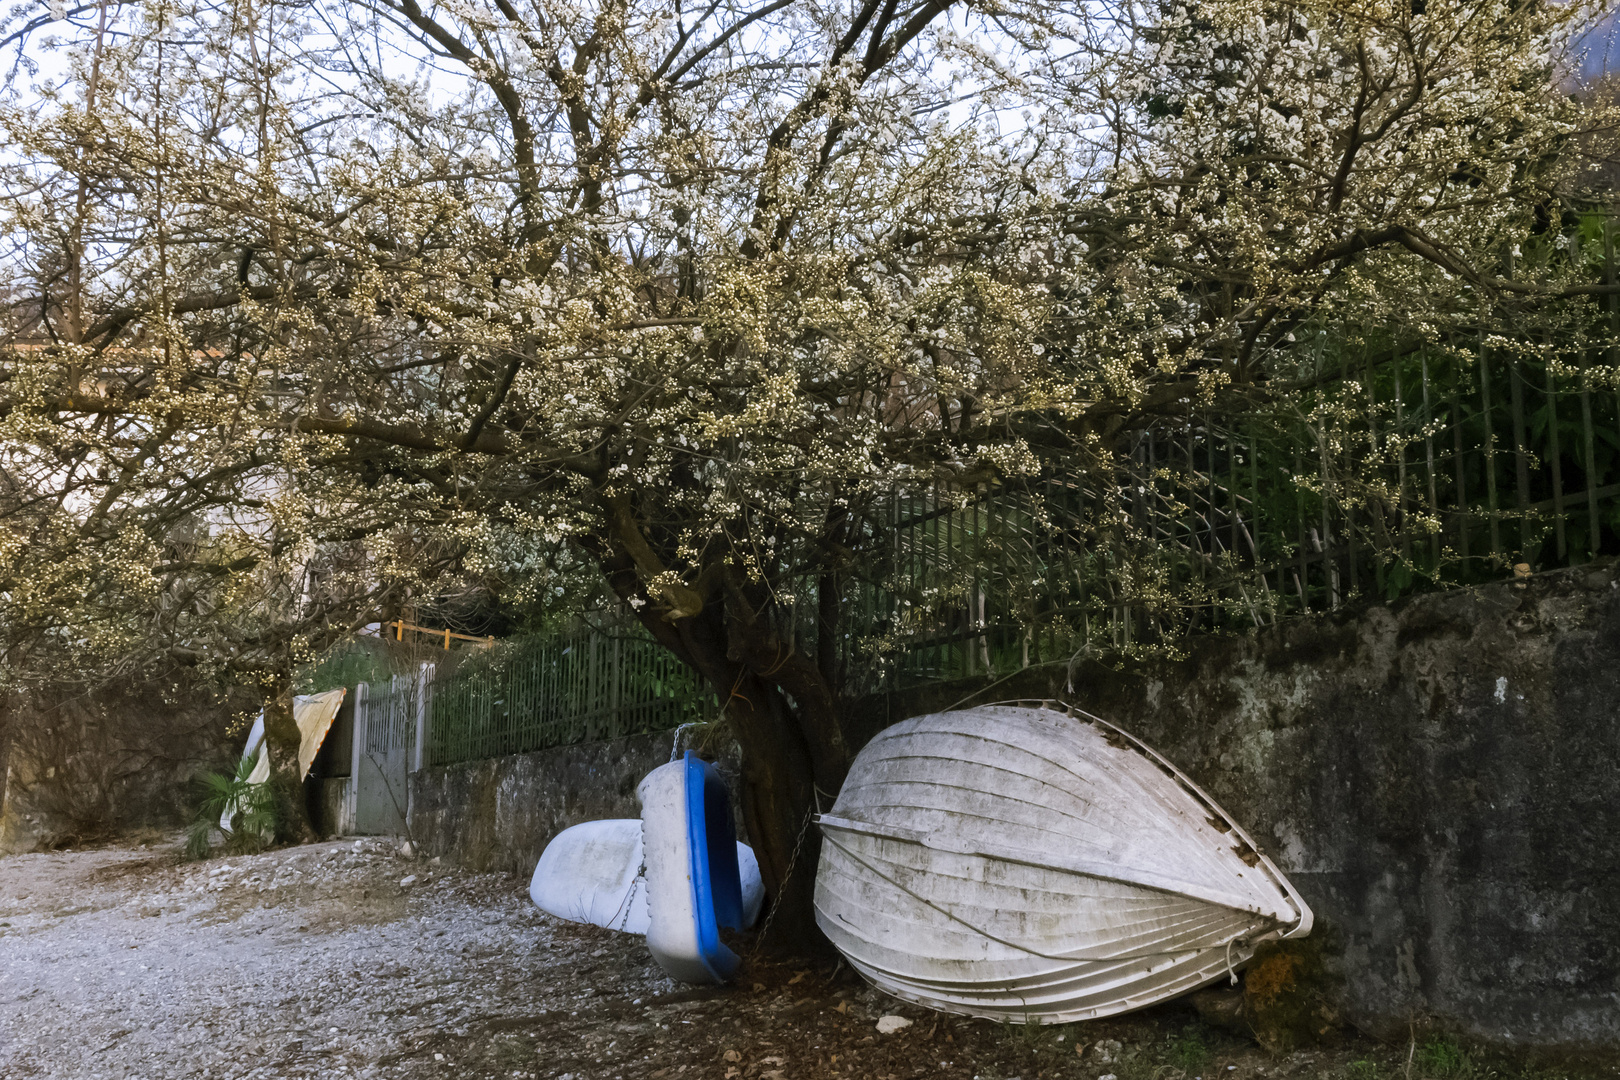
{"x":500,"y":813}
{"x":1440,"y":778}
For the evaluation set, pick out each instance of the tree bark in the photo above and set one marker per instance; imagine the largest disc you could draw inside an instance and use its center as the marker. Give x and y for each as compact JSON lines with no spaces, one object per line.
{"x":281,"y":735}
{"x":785,"y":717}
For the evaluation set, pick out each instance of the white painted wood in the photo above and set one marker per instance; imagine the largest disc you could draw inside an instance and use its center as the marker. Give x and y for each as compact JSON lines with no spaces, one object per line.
{"x":357,"y":750}
{"x":1024,"y":864}
{"x":424,"y":709}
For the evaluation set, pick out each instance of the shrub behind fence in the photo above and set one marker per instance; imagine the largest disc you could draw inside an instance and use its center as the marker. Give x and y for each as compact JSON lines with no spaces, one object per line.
{"x":532,"y":693}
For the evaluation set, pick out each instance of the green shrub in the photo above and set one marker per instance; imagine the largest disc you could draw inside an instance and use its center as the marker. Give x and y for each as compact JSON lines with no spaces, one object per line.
{"x":253,"y":813}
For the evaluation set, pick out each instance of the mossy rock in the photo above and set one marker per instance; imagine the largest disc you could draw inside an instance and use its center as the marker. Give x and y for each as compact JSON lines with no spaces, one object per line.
{"x":1288,"y":996}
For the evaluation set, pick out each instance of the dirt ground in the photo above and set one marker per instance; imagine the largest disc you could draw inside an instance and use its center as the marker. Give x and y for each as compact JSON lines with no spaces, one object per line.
{"x":347,"y":959}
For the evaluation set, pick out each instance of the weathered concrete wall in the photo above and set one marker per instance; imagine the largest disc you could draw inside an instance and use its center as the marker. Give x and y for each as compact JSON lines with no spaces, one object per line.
{"x":327,"y":800}
{"x":1441,"y":779}
{"x":500,"y":814}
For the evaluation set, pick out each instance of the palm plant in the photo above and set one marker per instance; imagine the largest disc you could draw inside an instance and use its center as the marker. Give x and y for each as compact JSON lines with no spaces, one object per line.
{"x":248,"y":808}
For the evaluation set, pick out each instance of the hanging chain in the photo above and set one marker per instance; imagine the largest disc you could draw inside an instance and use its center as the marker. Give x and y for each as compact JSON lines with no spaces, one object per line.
{"x":628,"y":904}
{"x":781,"y":890}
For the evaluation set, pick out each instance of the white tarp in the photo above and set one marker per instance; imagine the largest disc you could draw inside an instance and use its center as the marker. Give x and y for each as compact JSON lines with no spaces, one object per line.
{"x":313,"y":714}
{"x":261,"y":768}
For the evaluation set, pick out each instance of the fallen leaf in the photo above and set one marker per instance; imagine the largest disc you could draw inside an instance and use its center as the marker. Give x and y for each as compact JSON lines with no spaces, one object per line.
{"x":731,"y":1055}
{"x":774,"y":1074}
{"x":773,"y":1060}
{"x":843,"y":1007}
{"x":799,"y":976}
{"x":733,"y":1072}
{"x":888,"y":1025}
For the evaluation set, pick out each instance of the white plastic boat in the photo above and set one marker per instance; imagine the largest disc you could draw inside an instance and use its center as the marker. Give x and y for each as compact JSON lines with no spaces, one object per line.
{"x":592,"y":873}
{"x":694,"y":885}
{"x":1029,"y":865}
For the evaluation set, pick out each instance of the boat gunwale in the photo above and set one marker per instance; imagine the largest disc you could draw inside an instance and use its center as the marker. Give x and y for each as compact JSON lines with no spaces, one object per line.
{"x":914,"y":727}
{"x":1192,"y":980}
{"x":1307,"y":918}
{"x":1049,"y":982}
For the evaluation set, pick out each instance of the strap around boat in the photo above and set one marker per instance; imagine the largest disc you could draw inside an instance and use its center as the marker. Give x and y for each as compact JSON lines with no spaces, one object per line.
{"x":1145,"y":879}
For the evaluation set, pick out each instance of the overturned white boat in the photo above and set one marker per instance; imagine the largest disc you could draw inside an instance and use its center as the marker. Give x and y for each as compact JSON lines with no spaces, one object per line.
{"x":594,"y":873}
{"x":1036,"y":866}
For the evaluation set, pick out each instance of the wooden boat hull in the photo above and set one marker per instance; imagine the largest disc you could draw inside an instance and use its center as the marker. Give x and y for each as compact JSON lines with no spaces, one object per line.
{"x":1033,"y":866}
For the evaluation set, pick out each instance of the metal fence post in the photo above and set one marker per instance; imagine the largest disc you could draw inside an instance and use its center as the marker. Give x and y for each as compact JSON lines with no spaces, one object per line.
{"x":423,"y":695}
{"x":357,"y":750}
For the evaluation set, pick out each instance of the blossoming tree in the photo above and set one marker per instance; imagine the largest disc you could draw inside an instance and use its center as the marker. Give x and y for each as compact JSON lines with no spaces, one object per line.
{"x":688,"y":292}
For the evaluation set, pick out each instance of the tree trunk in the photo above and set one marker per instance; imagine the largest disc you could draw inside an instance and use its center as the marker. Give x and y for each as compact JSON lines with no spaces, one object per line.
{"x":780,"y":704}
{"x":785,"y":717}
{"x":281,"y":735}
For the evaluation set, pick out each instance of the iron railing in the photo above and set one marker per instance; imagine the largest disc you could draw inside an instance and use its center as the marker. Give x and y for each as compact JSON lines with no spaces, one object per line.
{"x":1389,"y":468}
{"x":534,"y":693}
{"x":1420,"y":468}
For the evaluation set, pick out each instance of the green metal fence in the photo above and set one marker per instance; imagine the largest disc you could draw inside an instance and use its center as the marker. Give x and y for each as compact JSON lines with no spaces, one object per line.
{"x":1396,"y":469}
{"x":1388,"y":467}
{"x":534,"y":693}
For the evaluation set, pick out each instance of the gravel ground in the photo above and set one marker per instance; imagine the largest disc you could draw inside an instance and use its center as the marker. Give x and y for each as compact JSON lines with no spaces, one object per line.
{"x":348,"y":959}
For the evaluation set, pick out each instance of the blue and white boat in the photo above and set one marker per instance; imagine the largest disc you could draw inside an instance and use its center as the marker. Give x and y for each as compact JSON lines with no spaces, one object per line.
{"x":694,"y":887}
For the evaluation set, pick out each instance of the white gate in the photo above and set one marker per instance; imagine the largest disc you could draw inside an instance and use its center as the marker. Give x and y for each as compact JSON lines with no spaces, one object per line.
{"x":388,"y":722}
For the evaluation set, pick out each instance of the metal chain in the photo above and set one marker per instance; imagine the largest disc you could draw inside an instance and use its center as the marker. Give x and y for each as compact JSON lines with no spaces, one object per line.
{"x":781,"y":890}
{"x":628,"y":904}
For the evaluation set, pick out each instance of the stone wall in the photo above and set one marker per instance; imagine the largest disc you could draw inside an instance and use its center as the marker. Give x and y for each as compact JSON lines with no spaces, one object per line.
{"x":499,"y":814}
{"x":1440,"y":779}
{"x":77,"y":766}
